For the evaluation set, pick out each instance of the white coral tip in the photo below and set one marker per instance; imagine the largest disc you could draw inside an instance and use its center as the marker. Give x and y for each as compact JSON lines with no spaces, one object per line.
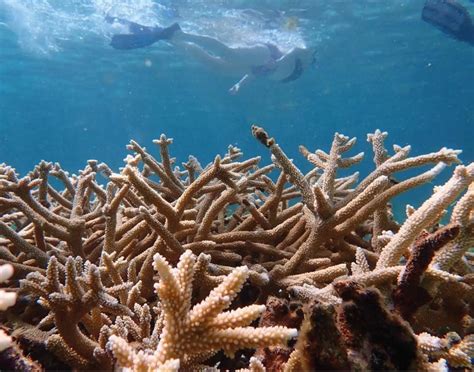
{"x":292,"y":333}
{"x":6,"y":271}
{"x":7,"y":299}
{"x":5,"y":341}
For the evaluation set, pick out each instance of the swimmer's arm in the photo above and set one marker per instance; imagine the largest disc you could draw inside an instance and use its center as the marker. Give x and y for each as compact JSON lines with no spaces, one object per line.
{"x":288,"y":59}
{"x":244,"y":81}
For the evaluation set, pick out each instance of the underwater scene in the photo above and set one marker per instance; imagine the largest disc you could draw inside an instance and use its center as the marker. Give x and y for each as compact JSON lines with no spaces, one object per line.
{"x":254,"y":185}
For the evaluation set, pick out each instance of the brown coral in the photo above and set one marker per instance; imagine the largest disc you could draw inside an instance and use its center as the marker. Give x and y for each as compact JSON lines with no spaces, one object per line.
{"x":379,"y":339}
{"x":408,"y":295}
{"x":87,"y":250}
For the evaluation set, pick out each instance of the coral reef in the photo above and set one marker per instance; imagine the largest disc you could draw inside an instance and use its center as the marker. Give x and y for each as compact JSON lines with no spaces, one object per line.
{"x":237,"y":265}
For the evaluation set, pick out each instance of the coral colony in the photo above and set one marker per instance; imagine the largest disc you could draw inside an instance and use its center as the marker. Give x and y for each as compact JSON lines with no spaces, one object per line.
{"x":236,"y":265}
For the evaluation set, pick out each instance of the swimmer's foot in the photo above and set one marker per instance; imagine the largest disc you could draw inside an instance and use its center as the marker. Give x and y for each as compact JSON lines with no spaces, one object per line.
{"x":143,"y":39}
{"x":450,"y":17}
{"x":168,"y":32}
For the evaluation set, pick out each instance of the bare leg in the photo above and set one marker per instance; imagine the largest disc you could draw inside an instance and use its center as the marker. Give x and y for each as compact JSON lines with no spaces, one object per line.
{"x":200,"y":55}
{"x":251,"y":56}
{"x":214,"y":46}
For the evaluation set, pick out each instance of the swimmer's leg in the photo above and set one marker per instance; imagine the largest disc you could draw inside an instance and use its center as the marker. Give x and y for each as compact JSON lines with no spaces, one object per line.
{"x":450,"y":17}
{"x":208,"y":43}
{"x":199,"y":54}
{"x":254,"y":55}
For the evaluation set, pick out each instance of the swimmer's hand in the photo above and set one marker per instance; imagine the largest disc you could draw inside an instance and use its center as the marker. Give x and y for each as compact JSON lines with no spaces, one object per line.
{"x":236,"y":88}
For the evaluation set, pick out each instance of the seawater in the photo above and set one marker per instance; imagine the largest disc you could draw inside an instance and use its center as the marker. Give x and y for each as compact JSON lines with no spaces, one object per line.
{"x":67,"y":96}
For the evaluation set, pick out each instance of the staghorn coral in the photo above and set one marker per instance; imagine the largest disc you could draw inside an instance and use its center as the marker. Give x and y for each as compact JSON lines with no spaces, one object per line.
{"x":451,"y":348}
{"x":11,"y":356}
{"x":81,"y":300}
{"x":339,"y":216}
{"x":86,"y":251}
{"x":193,"y":334}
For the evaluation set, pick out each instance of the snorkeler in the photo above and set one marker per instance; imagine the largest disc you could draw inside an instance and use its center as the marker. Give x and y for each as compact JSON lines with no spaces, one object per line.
{"x":451,"y":18}
{"x":260,"y":60}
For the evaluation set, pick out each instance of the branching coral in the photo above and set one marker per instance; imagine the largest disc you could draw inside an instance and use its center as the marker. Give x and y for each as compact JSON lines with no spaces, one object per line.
{"x":456,"y":351}
{"x":338,"y":218}
{"x":82,"y":301}
{"x":192,"y":334}
{"x":87,"y":251}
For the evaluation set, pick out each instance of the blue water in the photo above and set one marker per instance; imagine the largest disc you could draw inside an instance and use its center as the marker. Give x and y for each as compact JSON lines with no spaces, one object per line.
{"x":67,"y":96}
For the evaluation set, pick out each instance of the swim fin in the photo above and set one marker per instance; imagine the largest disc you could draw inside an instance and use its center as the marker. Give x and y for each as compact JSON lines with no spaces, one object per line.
{"x":450,"y":17}
{"x":144,"y":36}
{"x":132,"y":41}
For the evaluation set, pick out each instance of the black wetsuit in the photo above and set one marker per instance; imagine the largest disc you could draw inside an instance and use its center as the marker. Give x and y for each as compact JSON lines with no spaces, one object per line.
{"x":297,"y":72}
{"x":270,"y":67}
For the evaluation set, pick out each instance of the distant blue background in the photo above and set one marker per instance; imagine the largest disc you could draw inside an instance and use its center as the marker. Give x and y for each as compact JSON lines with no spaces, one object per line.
{"x":379,"y":66}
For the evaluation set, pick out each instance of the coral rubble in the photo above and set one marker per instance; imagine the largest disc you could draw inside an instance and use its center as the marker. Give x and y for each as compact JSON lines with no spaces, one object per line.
{"x":238,"y":265}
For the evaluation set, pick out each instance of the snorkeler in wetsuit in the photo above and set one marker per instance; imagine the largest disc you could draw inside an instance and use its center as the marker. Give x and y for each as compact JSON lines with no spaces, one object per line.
{"x":260,"y":60}
{"x":451,"y":18}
